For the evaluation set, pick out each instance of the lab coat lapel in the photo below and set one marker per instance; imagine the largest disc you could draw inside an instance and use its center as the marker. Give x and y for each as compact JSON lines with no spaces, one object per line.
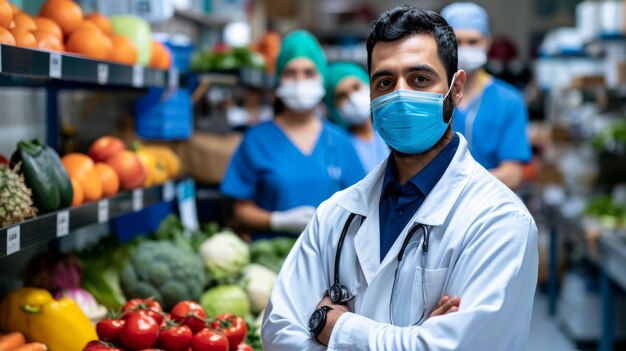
{"x":438,"y":204}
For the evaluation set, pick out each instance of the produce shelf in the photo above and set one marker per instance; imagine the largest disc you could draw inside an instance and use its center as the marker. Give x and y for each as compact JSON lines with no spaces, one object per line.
{"x":42,"y":66}
{"x":244,"y":76}
{"x":57,"y":224}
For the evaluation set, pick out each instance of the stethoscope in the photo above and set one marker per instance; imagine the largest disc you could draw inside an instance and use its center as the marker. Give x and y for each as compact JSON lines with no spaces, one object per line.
{"x":339,"y":293}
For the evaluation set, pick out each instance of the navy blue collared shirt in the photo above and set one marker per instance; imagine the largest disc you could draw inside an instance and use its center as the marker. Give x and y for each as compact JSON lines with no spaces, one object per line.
{"x":398,"y":203}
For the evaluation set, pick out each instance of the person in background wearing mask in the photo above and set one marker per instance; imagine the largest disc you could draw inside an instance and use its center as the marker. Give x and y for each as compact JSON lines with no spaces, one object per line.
{"x":286,"y":167}
{"x":430,"y":223}
{"x":493,"y":115}
{"x":348,"y":103}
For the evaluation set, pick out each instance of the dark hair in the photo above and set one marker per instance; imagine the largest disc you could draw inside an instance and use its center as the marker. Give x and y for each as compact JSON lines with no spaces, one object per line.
{"x":404,"y":21}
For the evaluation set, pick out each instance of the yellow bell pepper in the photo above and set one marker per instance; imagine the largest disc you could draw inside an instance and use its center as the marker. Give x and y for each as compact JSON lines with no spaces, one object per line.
{"x":61,"y":325}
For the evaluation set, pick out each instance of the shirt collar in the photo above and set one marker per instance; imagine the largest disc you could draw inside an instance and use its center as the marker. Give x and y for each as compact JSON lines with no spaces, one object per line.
{"x":428,"y":177}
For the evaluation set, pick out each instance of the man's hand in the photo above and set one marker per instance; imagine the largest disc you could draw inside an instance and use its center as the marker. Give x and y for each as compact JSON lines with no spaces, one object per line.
{"x":446,"y":305}
{"x":331,"y":318}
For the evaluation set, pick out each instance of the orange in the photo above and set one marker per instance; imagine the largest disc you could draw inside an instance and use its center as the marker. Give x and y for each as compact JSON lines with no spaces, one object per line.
{"x":66,"y":13}
{"x":86,"y":24}
{"x":79,"y":197}
{"x":124,"y":50}
{"x":15,"y":9}
{"x":24,"y":21}
{"x":88,"y":42}
{"x":6,"y":37}
{"x":48,"y":25}
{"x":110,"y":180}
{"x":47,"y":41}
{"x":108,"y":43}
{"x":82,"y":168}
{"x":24,"y":38}
{"x":102,"y":22}
{"x":6,"y":14}
{"x":161,"y":57}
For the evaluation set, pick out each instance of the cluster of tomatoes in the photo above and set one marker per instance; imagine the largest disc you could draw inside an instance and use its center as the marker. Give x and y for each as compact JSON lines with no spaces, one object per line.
{"x":143,"y":326}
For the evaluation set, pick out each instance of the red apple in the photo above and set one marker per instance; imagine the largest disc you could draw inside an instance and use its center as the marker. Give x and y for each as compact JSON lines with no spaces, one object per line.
{"x":105,"y":147}
{"x":129,"y":168}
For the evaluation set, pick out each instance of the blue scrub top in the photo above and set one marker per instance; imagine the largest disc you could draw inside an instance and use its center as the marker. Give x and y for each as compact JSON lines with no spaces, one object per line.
{"x":498,"y":132}
{"x":270,"y":170}
{"x":370,"y":152}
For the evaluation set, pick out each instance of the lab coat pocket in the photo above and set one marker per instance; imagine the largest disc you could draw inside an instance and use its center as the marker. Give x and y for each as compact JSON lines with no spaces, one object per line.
{"x":428,"y":288}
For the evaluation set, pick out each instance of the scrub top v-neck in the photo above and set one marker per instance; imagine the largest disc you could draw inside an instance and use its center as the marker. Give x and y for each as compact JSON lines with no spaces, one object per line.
{"x":270,"y":170}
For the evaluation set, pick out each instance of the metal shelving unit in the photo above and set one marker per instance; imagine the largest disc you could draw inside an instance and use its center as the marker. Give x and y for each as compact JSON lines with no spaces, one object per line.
{"x":45,"y":228}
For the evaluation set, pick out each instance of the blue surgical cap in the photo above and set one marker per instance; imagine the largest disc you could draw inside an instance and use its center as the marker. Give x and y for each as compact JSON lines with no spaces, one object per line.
{"x":466,"y":15}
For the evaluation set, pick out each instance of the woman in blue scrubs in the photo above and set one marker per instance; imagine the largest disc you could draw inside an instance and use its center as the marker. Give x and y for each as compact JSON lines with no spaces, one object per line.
{"x":348,"y":103}
{"x":286,"y":167}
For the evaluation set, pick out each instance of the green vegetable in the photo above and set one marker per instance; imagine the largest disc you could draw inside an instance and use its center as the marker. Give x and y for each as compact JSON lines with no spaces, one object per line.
{"x":39,"y":174}
{"x":164,"y":271}
{"x":62,"y":178}
{"x":258,"y":282}
{"x":225,"y":299}
{"x":225,"y":255}
{"x":171,"y":228}
{"x":271,"y":253}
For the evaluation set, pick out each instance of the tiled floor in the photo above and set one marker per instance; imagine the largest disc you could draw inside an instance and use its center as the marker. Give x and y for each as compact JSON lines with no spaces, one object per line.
{"x":545,"y":334}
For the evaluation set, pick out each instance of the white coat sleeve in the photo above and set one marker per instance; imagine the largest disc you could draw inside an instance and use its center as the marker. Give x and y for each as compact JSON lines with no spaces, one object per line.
{"x":300,"y":286}
{"x":495,"y":276}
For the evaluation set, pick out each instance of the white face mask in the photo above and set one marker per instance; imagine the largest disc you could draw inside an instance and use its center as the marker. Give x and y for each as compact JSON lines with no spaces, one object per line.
{"x":356,"y":109}
{"x":301,"y":95}
{"x":471,"y":58}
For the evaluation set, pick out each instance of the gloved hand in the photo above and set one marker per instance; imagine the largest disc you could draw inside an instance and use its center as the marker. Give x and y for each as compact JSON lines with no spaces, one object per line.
{"x":291,"y":221}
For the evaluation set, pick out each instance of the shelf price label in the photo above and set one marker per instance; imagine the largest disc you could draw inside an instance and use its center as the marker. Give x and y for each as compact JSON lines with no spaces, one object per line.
{"x":103,"y":211}
{"x":173,"y":82}
{"x":186,"y":192}
{"x":137,"y":76}
{"x":13,"y":240}
{"x":103,"y":73}
{"x":169,"y":191}
{"x":63,"y":223}
{"x":55,"y":65}
{"x":137,"y":199}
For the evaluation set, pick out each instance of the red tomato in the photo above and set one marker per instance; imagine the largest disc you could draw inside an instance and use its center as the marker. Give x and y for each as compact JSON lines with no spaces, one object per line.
{"x":139,"y":332}
{"x":109,"y":329}
{"x":244,"y":347}
{"x":4,"y":160}
{"x":233,"y":327}
{"x":151,"y":307}
{"x":175,"y":337}
{"x":100,"y":346}
{"x":191,"y":314}
{"x":209,"y":340}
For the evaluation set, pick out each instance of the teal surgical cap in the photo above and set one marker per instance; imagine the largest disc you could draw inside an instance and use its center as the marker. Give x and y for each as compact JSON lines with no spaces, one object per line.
{"x":300,"y":44}
{"x":466,"y":15}
{"x":336,"y":73}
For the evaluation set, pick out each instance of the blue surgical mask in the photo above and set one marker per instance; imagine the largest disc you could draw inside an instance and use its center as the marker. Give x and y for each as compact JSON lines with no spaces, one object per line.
{"x":410,"y":121}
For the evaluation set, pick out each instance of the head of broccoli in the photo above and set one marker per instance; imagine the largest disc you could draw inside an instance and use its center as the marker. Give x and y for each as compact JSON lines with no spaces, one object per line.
{"x":164,"y":271}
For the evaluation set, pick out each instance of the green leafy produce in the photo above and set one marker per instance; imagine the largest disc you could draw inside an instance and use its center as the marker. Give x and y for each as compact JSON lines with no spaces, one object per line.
{"x":164,"y":271}
{"x":271,"y":253}
{"x":611,"y":137}
{"x":16,"y":203}
{"x":225,"y":299}
{"x":171,"y":228}
{"x":225,"y":256}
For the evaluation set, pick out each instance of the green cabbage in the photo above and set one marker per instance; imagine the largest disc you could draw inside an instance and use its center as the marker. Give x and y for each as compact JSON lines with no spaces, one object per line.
{"x":225,"y":299}
{"x":258,"y":282}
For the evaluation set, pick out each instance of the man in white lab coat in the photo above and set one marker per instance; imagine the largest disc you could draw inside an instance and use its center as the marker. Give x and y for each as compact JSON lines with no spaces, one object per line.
{"x":428,"y":222}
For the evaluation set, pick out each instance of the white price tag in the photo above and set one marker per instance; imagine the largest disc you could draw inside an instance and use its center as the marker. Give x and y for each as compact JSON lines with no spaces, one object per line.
{"x":103,"y":211}
{"x":63,"y":223}
{"x":103,"y":73}
{"x":169,"y":191}
{"x":173,"y":83}
{"x":137,"y":76}
{"x":137,"y":199}
{"x":186,"y":192}
{"x":55,"y":65}
{"x":13,"y":240}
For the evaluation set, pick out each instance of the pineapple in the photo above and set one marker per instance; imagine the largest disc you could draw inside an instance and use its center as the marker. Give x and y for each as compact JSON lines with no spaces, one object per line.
{"x":16,"y":203}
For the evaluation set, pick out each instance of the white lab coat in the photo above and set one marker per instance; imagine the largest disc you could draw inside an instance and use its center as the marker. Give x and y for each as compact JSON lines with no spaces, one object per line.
{"x":483,"y":248}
